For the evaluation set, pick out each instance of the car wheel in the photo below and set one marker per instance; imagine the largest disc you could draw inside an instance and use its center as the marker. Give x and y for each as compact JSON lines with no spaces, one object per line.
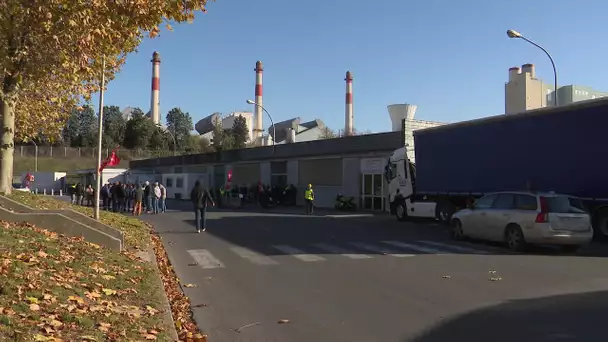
{"x":401,"y":212}
{"x":601,"y":224}
{"x":514,"y":238}
{"x":456,"y":232}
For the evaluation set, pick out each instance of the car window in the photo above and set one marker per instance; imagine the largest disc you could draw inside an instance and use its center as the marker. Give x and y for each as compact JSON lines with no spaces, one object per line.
{"x":525,"y":202}
{"x":563,"y":204}
{"x":485,"y":202}
{"x":504,"y":201}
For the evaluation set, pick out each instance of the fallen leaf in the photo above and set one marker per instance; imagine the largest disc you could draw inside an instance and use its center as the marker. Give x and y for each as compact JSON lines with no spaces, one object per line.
{"x":109,"y":292}
{"x":283,"y":321}
{"x":34,"y":307}
{"x":446,"y":277}
{"x":32,"y":300}
{"x":150,"y":337}
{"x":495,"y":278}
{"x":189,"y":285}
{"x":199,"y":305}
{"x":108,"y":277}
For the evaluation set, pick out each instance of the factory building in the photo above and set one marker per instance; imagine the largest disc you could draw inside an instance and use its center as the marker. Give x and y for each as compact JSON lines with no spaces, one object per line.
{"x":525,"y":92}
{"x":205,"y":126}
{"x":351,"y":165}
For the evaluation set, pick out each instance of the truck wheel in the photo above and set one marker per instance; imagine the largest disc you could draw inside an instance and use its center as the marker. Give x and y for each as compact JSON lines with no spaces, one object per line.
{"x":456,"y":232}
{"x":514,"y":238}
{"x":444,"y":212}
{"x":601,"y":224}
{"x":401,"y":211}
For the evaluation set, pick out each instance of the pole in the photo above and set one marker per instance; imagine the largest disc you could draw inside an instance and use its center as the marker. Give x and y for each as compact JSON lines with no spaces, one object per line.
{"x":552,"y":64}
{"x":274,"y":129}
{"x":99,"y":138}
{"x":35,"y":155}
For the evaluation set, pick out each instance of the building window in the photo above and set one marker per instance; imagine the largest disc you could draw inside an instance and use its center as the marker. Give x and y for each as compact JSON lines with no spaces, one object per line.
{"x":169,"y":182}
{"x":179,"y":183}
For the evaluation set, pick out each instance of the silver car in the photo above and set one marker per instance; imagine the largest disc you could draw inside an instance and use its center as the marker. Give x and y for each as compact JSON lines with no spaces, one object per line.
{"x":520,"y":218}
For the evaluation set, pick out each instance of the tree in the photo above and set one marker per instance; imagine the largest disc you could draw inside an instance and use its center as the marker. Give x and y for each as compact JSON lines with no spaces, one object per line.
{"x":52,"y":52}
{"x":81,"y":128}
{"x":138,"y":131}
{"x":114,"y":127}
{"x":327,"y":133}
{"x":218,"y":135}
{"x":159,"y":139}
{"x":240,"y":132}
{"x":180,"y":125}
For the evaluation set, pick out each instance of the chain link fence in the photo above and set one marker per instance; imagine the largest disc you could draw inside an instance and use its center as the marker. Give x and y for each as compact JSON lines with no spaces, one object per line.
{"x":87,"y":152}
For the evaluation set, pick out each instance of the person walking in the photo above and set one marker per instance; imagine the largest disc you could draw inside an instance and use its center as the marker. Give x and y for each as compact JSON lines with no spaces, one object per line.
{"x":201,"y":198}
{"x":309,"y":197}
{"x":139,"y":198}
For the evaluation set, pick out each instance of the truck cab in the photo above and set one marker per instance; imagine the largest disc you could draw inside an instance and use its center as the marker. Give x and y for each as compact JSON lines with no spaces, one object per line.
{"x":400,"y":174}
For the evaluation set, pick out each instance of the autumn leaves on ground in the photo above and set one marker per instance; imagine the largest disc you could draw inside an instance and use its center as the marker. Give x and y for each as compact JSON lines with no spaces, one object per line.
{"x":56,"y":288}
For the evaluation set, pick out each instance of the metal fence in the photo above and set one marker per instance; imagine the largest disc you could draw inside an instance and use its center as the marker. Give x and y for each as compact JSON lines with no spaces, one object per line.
{"x":86,"y":152}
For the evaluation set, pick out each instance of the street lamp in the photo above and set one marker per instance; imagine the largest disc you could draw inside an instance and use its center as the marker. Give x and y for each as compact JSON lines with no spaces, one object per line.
{"x":516,"y":35}
{"x":99,"y":138}
{"x":274,"y":129}
{"x":172,"y":136}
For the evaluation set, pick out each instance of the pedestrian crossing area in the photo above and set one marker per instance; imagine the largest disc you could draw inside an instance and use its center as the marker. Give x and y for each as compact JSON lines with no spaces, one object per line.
{"x":322,"y":251}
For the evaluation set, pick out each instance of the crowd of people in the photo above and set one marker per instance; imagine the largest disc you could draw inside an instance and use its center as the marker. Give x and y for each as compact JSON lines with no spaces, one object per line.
{"x":121,"y":197}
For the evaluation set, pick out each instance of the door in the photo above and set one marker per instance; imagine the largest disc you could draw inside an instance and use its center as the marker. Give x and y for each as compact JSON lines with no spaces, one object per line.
{"x":372,"y":194}
{"x":476,"y":219}
{"x":499,"y":217}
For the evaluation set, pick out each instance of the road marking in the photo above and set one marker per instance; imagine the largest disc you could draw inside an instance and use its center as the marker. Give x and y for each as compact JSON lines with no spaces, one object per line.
{"x":454,"y":247}
{"x":339,"y":250}
{"x":349,"y":215}
{"x":414,"y":247}
{"x":298,"y":254}
{"x":205,"y":259}
{"x":254,"y":257}
{"x":380,"y":249}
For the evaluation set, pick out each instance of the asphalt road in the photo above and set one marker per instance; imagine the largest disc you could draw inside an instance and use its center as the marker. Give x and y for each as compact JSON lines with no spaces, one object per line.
{"x":340,"y":278}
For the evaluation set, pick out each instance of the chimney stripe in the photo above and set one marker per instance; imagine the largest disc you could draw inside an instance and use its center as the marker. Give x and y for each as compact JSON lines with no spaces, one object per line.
{"x":258,"y":90}
{"x":349,"y":98}
{"x":155,"y":84}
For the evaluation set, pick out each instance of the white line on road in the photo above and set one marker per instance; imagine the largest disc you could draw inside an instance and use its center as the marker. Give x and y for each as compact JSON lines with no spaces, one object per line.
{"x":380,"y":249}
{"x":298,"y":254}
{"x":205,"y":259}
{"x":339,"y":250}
{"x":454,"y":247}
{"x":349,"y":215}
{"x":413,"y":247}
{"x":254,"y":257}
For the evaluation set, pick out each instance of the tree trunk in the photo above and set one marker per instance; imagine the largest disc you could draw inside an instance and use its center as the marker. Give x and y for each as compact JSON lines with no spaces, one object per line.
{"x":7,"y":147}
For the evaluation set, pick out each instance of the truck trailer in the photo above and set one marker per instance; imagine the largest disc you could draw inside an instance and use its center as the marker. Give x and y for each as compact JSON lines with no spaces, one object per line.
{"x":561,"y":149}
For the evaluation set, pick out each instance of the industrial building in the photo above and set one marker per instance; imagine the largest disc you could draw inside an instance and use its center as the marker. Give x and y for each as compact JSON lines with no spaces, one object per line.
{"x":524,"y":91}
{"x":351,"y":165}
{"x":205,"y":126}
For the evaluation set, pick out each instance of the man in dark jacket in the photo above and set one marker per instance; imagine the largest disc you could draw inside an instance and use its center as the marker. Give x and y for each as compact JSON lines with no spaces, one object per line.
{"x":200,"y":197}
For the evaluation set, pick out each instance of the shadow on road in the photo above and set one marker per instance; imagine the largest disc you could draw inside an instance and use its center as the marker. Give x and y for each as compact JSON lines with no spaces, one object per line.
{"x":572,"y":317}
{"x":263,"y":232}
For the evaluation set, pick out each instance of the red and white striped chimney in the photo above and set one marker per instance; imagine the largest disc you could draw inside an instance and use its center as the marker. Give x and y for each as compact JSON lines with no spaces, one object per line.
{"x":258,"y":131}
{"x":155,"y":98}
{"x":348,"y":115}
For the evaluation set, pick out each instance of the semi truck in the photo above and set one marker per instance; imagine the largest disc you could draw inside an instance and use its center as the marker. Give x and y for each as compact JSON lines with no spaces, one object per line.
{"x":561,"y":149}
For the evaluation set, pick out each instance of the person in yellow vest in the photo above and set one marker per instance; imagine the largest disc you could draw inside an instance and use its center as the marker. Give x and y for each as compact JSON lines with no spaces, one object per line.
{"x":309,"y":197}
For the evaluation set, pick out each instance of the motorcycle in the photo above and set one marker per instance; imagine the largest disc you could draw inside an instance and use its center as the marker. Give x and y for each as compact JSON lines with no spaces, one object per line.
{"x":345,"y":203}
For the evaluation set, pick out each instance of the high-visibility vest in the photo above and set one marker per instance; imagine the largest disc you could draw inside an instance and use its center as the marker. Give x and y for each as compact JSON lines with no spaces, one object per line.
{"x":309,"y":194}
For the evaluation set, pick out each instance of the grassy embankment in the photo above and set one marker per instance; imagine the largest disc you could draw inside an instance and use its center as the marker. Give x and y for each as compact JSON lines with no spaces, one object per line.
{"x":56,"y":288}
{"x":57,"y":164}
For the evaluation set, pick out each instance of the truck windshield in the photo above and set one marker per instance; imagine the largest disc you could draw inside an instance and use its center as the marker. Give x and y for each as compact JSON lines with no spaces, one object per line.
{"x":389,"y":172}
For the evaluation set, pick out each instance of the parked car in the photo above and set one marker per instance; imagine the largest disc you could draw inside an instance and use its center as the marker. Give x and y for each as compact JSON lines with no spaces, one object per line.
{"x":521,"y":218}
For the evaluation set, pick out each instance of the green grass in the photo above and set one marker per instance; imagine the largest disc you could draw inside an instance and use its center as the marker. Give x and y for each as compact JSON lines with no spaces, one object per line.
{"x":136,"y":232}
{"x":54,"y":287}
{"x":57,"y":164}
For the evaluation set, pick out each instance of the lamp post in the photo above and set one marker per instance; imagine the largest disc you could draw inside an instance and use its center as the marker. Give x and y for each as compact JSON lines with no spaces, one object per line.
{"x":274,"y":129}
{"x":516,"y":35}
{"x":99,"y":138}
{"x":172,"y":136}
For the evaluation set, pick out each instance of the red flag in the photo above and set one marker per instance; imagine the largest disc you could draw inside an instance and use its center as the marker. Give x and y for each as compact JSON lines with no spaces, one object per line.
{"x":112,"y":160}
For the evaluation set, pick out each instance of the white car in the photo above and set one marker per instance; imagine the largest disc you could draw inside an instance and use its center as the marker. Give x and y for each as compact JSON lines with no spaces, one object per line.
{"x":520,"y":218}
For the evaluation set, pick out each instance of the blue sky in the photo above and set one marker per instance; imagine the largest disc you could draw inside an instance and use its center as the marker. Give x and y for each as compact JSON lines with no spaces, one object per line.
{"x":449,"y":58}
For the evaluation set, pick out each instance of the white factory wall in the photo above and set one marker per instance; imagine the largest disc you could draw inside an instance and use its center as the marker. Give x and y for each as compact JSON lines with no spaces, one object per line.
{"x":410,"y":127}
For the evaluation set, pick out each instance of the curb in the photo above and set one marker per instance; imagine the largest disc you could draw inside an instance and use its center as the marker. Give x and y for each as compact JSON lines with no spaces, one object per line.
{"x":150,"y":257}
